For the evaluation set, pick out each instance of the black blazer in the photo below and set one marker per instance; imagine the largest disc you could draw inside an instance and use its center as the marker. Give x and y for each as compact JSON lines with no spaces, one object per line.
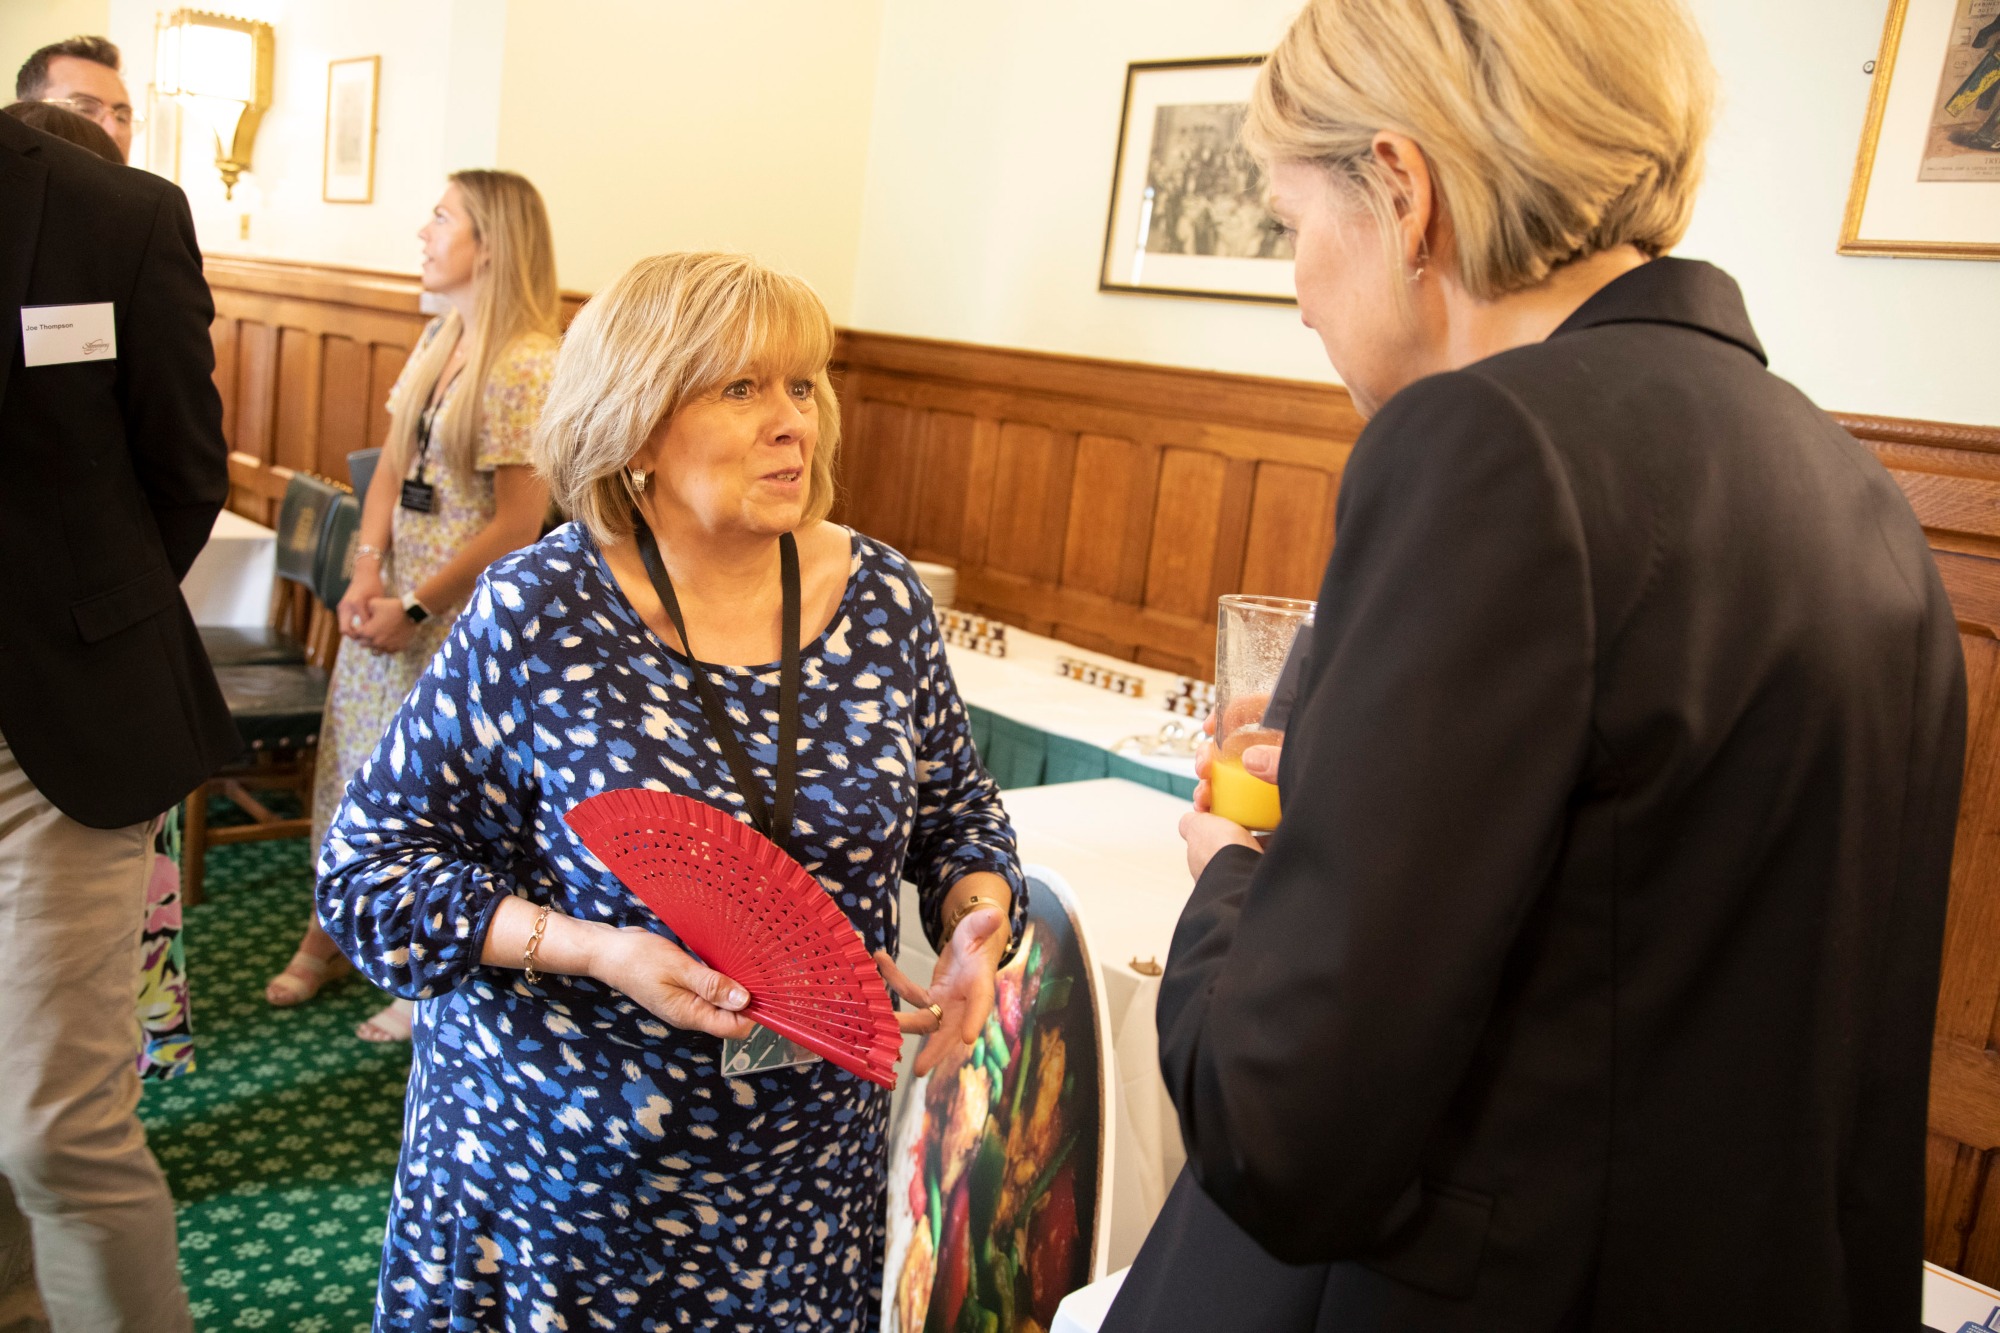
{"x":111,"y":473}
{"x":1588,"y":983}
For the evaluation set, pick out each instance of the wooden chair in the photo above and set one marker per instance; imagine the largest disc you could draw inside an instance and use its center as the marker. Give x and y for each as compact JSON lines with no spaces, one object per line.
{"x":276,"y":686}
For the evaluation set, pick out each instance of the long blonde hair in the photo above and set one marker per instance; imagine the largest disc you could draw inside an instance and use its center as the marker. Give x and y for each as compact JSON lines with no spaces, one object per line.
{"x":1554,"y":129}
{"x":670,"y":328}
{"x":517,"y":298}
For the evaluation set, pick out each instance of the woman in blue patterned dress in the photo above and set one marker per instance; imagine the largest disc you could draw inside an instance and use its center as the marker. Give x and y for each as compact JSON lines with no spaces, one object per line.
{"x":572,"y":1156}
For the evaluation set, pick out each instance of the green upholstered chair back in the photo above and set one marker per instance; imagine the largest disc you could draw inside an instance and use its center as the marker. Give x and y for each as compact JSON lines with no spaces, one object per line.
{"x":334,"y":567}
{"x":302,"y":519}
{"x":361,"y":470}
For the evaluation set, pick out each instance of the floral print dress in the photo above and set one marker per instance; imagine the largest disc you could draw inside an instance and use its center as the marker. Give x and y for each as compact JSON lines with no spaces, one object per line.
{"x":368,"y":686}
{"x":569,"y":1161}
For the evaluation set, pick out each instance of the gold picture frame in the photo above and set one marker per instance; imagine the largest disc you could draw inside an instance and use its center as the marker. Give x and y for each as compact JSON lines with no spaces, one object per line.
{"x":353,"y":97}
{"x":1923,"y":185}
{"x":1187,"y":213}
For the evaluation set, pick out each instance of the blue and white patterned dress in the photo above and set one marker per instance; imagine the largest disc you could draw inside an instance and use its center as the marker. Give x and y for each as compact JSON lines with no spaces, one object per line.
{"x":569,"y":1161}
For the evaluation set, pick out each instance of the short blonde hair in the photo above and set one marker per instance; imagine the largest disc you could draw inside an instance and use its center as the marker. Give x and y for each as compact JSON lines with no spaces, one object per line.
{"x":670,"y":328}
{"x":1554,"y":129}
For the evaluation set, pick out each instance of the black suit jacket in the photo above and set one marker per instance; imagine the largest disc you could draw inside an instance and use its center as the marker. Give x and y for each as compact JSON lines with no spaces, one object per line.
{"x":1588,"y":983}
{"x":111,"y":474}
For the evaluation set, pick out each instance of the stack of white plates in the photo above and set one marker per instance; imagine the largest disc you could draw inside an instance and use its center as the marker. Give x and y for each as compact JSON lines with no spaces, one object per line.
{"x":941,"y":581}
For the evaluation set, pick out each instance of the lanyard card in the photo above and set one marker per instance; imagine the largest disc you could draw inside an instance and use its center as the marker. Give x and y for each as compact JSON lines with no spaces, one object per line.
{"x":763,"y":1050}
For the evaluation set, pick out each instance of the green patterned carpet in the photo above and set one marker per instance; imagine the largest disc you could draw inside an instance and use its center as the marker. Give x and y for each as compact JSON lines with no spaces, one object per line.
{"x":280,"y":1145}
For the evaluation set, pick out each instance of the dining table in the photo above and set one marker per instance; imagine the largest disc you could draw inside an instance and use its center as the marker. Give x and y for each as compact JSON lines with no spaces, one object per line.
{"x":231,"y":578}
{"x":1033,"y":726}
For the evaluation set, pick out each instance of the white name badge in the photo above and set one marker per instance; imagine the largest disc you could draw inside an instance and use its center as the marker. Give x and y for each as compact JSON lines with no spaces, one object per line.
{"x":52,"y":335}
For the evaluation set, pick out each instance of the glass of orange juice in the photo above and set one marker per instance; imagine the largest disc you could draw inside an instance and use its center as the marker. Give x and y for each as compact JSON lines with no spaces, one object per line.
{"x":1254,"y":641}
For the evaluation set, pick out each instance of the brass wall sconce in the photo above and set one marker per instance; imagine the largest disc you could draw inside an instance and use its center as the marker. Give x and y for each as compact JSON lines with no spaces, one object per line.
{"x":220,"y":68}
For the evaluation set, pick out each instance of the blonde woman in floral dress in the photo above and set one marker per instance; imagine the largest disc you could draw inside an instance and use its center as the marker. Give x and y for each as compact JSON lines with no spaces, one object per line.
{"x":453,"y":493}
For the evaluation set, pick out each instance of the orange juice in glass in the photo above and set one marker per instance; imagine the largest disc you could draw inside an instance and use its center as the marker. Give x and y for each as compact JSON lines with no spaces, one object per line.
{"x":1253,"y":642}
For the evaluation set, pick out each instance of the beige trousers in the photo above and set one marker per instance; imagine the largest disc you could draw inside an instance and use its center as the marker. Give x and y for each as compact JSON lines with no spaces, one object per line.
{"x":84,"y":1210}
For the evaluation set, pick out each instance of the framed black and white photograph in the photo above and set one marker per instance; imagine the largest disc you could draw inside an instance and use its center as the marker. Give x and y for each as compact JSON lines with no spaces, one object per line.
{"x":352,"y":87}
{"x":1187,"y":199}
{"x":1927,"y":179}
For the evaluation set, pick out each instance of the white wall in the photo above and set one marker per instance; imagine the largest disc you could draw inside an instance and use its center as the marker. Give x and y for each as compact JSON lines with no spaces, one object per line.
{"x":989,"y":178}
{"x":656,"y":125}
{"x":28,"y":25}
{"x":439,"y":110}
{"x":649,"y":125}
{"x":943,"y":169}
{"x":1898,"y":337}
{"x":990,"y":165}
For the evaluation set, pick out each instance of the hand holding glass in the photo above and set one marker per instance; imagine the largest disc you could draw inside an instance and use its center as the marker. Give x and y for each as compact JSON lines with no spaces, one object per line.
{"x":1254,"y":642}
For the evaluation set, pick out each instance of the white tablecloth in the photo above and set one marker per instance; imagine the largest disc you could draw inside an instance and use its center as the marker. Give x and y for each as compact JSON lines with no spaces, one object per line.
{"x":230,"y":581}
{"x":1024,"y":686}
{"x":1115,"y":844}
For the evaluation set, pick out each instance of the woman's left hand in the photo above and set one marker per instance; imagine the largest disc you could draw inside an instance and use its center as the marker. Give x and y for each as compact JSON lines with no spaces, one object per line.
{"x":962,"y":984}
{"x":388,"y":628}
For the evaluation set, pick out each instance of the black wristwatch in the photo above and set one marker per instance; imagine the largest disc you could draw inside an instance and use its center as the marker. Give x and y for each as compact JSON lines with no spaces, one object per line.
{"x":414,"y":609}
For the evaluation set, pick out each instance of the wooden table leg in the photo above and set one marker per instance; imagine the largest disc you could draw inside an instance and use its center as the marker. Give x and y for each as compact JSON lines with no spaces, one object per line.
{"x":194,"y":846}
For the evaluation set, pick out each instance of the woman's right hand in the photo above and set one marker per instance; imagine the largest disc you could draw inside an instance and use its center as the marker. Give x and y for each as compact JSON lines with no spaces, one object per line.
{"x":667,"y":981}
{"x":363,"y":588}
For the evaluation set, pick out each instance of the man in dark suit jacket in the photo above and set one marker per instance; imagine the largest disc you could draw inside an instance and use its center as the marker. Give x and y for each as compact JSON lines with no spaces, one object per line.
{"x":1588,"y":983}
{"x":112,"y":470}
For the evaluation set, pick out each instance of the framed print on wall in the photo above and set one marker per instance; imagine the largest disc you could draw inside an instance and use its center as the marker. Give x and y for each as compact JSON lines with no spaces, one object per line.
{"x":351,"y":92}
{"x":1927,"y":181}
{"x":1187,"y":198}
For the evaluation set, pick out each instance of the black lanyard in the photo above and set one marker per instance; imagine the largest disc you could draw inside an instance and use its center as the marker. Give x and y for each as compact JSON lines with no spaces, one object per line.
{"x":427,"y":423}
{"x":774,"y":820}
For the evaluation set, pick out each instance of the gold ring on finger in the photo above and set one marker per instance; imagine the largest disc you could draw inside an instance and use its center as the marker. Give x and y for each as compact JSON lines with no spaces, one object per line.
{"x":937,"y":1011}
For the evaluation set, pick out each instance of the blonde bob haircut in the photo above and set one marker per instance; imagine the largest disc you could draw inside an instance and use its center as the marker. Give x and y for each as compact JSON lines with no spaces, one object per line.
{"x":1554,"y":129}
{"x":670,"y":329}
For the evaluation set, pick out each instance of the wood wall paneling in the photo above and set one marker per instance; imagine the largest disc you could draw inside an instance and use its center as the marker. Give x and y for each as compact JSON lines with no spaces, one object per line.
{"x":1104,"y":502}
{"x":1951,"y":475}
{"x":1112,"y":503}
{"x":1186,"y":526}
{"x":344,"y":397}
{"x":937,"y":528}
{"x":301,"y":353}
{"x":306,"y":354}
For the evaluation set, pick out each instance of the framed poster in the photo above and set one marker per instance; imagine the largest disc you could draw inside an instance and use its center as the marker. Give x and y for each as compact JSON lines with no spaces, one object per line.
{"x":1927,"y":181}
{"x":1187,"y":198}
{"x":351,"y":90}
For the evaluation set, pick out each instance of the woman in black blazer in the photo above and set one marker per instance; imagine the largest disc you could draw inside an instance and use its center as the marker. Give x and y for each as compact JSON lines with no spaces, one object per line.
{"x":1588,"y":983}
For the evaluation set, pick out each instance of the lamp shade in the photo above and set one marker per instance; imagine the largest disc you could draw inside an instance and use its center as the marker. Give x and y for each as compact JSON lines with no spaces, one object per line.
{"x":220,"y":67}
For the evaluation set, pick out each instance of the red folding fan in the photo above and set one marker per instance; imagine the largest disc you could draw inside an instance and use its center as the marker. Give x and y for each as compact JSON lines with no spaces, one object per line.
{"x":753,"y":914}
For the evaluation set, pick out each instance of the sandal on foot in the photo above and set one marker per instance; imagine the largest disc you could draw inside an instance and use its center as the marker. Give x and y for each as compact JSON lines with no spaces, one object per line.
{"x":391,"y":1023}
{"x":302,"y":978}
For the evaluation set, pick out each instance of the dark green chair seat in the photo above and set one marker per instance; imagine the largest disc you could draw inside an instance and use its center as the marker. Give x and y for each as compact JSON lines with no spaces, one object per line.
{"x":275,"y":707}
{"x":247,"y":645}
